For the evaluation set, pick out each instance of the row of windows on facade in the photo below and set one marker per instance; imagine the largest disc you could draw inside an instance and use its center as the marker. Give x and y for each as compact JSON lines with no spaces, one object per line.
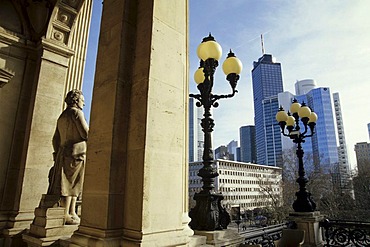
{"x":245,"y":181}
{"x":237,"y":197}
{"x":236,"y":181}
{"x":246,"y":189}
{"x":246,"y":174}
{"x":246,"y":197}
{"x":251,"y":168}
{"x":255,"y":204}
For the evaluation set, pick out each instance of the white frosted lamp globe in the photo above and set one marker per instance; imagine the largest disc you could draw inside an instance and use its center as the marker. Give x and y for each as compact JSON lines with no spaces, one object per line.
{"x":313,"y":117}
{"x":304,"y":111}
{"x":294,"y":108}
{"x":199,"y":76}
{"x":209,"y":49}
{"x":290,"y":121}
{"x":281,"y":116}
{"x":232,"y":65}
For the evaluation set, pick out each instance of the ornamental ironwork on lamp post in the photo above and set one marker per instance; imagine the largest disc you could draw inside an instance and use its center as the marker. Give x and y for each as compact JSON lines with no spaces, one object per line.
{"x":291,"y":121}
{"x":208,"y":214}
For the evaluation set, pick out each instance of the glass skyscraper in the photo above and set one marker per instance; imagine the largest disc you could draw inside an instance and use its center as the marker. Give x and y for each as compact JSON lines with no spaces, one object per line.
{"x":267,"y":82}
{"x":321,"y":149}
{"x":248,"y":144}
{"x":324,"y":142}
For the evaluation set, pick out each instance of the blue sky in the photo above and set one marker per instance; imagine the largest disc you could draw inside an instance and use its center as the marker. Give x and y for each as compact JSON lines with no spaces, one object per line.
{"x":328,"y":41}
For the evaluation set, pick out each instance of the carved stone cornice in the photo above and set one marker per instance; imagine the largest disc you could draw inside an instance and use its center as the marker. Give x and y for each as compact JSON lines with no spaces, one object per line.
{"x":62,"y":21}
{"x":5,"y":77}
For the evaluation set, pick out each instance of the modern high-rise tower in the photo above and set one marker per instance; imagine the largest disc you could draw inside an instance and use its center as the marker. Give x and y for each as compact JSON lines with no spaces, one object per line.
{"x":321,"y":150}
{"x":248,"y":144}
{"x":267,"y":83}
{"x":196,"y":137}
{"x":341,"y":175}
{"x":342,"y":148}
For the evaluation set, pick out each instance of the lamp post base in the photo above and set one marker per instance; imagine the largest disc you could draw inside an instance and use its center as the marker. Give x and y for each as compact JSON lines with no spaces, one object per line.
{"x":208,"y":214}
{"x":304,"y":202}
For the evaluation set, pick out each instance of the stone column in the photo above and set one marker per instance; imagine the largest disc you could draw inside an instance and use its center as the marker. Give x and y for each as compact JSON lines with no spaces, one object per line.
{"x":134,"y":191}
{"x":27,"y":175}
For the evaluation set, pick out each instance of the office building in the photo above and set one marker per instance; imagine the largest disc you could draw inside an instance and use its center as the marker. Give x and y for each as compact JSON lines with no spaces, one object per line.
{"x":196,"y":136}
{"x":368,"y":129}
{"x":240,"y":183}
{"x":362,"y":150}
{"x":321,"y":149}
{"x":304,"y":86}
{"x":342,"y":175}
{"x":232,"y":149}
{"x":248,"y":152}
{"x":324,"y":143}
{"x":222,"y":152}
{"x":267,"y":83}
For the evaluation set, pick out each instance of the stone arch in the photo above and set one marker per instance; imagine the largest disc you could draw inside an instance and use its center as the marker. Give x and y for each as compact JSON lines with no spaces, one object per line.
{"x":9,"y":13}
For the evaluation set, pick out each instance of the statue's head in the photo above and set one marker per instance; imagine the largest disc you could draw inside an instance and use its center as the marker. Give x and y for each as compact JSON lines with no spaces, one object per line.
{"x":75,"y":98}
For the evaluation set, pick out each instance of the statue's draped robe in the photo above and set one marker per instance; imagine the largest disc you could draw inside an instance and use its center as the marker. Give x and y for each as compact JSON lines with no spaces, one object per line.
{"x":69,"y":142}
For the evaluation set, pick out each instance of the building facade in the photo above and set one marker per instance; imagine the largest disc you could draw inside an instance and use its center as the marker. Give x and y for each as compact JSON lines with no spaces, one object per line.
{"x":321,"y":149}
{"x":232,"y":149}
{"x":248,"y":152}
{"x":241,"y":184}
{"x":304,"y":86}
{"x":362,"y":150}
{"x":267,"y":82}
{"x":196,"y":135}
{"x":342,"y":176}
{"x":324,"y":143}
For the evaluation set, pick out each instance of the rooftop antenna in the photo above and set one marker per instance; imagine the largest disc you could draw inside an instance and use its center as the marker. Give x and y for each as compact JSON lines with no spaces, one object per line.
{"x":263,"y":47}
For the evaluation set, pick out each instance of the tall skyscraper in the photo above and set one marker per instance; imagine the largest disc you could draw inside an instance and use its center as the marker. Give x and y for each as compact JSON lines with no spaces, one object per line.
{"x":342,"y":175}
{"x":304,"y":86}
{"x":267,"y":83}
{"x":321,"y":149}
{"x":342,"y":148}
{"x":248,"y":152}
{"x":196,"y":137}
{"x":231,"y":148}
{"x":324,"y":143}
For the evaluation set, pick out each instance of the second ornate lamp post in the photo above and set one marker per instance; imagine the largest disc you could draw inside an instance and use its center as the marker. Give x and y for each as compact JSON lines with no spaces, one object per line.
{"x":208,"y":214}
{"x":291,"y":121}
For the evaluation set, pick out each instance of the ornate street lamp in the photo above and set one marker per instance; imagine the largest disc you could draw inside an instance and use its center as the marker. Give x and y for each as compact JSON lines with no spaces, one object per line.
{"x":208,"y":214}
{"x":290,"y":121}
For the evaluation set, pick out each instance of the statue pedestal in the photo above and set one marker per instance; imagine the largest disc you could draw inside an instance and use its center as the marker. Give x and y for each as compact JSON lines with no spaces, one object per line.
{"x":48,"y":225}
{"x":309,"y":222}
{"x":221,"y":238}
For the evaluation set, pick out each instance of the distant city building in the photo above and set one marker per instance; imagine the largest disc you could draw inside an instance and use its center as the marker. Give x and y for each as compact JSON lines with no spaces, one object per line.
{"x":238,"y":154}
{"x":231,"y":148}
{"x":304,"y":86}
{"x":241,"y":184}
{"x":267,"y":82}
{"x":322,"y":147}
{"x":362,"y":150}
{"x":248,"y":152}
{"x":368,"y":129}
{"x":342,"y":176}
{"x":196,"y":136}
{"x":222,"y":152}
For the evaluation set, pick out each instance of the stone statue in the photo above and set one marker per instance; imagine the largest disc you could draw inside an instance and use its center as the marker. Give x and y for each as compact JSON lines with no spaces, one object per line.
{"x":69,"y":143}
